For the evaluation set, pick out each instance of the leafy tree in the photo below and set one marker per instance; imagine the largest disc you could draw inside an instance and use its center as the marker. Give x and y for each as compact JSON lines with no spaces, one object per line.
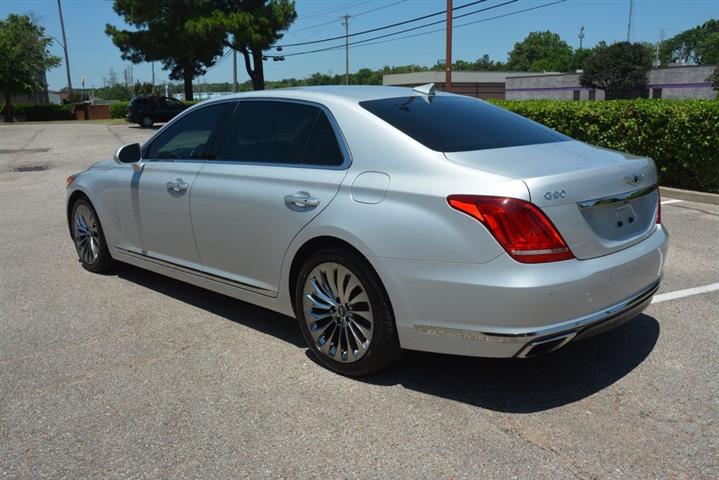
{"x":161,"y":34}
{"x":715,"y":79}
{"x":145,"y":88}
{"x":580,"y":56}
{"x":698,"y":45}
{"x":117,"y":91}
{"x":481,"y":64}
{"x":620,"y":69}
{"x":23,"y":58}
{"x":249,"y":27}
{"x":541,"y":51}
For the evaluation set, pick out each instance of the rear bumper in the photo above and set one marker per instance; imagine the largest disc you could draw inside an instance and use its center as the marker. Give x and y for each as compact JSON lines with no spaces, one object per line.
{"x":504,"y":309}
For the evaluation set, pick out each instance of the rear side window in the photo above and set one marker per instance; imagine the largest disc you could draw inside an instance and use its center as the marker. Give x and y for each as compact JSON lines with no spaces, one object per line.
{"x":191,"y":136}
{"x":322,"y":148}
{"x":276,"y":132}
{"x":458,"y":124}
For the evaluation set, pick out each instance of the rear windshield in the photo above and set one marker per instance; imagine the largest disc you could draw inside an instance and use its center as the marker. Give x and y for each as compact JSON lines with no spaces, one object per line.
{"x":459,"y":124}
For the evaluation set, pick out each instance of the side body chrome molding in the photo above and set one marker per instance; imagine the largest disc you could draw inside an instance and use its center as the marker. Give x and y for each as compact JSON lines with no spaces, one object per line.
{"x":196,"y":273}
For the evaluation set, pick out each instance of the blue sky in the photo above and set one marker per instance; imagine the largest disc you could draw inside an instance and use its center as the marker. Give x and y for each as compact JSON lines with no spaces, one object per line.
{"x":92,"y":54}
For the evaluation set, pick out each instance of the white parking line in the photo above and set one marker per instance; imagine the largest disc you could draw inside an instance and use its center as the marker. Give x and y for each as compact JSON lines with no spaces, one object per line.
{"x":667,"y":202}
{"x":685,"y":293}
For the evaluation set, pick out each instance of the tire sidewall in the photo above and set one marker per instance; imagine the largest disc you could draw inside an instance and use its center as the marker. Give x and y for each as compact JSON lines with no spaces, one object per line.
{"x":384,"y":333}
{"x":146,"y":122}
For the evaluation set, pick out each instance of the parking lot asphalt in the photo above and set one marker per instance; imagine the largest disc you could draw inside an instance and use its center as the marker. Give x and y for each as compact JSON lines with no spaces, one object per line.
{"x":134,"y":375}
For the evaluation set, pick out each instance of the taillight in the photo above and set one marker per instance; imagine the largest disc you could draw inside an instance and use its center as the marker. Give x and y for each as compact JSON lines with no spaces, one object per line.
{"x":659,"y":207}
{"x":521,"y":228}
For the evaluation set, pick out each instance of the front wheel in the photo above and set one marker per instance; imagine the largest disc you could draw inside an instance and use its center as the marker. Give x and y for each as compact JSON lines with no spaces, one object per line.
{"x":89,"y":238}
{"x":345,"y":314}
{"x":146,"y":122}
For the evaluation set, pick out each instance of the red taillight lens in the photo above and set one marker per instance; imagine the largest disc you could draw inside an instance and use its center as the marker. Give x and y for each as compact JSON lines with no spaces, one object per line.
{"x":659,"y":207}
{"x":519,"y":226}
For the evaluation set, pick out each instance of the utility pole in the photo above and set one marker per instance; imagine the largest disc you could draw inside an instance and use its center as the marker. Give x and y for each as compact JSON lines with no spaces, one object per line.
{"x":629,"y":24}
{"x":153,"y":78}
{"x":64,"y":47}
{"x":234,"y":71}
{"x":346,"y":23}
{"x":581,"y":36}
{"x":448,"y":56}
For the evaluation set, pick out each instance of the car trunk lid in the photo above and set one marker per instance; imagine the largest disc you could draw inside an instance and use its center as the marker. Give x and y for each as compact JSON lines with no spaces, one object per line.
{"x":600,"y":200}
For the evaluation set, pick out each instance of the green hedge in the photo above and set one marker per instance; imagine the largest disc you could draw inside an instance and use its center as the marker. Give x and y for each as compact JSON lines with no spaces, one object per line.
{"x":682,"y":136}
{"x":39,"y":113}
{"x":118,"y":110}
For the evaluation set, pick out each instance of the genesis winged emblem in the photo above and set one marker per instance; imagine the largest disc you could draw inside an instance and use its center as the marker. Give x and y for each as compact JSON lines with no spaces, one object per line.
{"x":634,"y":179}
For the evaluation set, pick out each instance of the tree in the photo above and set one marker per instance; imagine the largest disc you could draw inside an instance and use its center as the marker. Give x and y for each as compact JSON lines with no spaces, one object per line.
{"x":249,"y":27}
{"x":698,"y":45}
{"x":620,"y":69}
{"x":24,"y":58}
{"x":144,"y":88}
{"x":541,"y":52}
{"x":161,"y":34}
{"x":580,"y":56}
{"x":715,"y":79}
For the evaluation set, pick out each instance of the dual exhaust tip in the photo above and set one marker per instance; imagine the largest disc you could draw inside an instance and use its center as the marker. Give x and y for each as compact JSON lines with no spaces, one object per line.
{"x":546,"y":345}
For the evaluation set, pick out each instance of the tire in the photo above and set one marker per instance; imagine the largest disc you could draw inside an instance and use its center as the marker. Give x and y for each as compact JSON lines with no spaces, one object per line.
{"x":89,"y":239}
{"x":146,"y":122}
{"x":347,"y":334}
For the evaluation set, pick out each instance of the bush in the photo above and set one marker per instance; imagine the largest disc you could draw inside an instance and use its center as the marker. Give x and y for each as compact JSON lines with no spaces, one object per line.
{"x":41,"y":113}
{"x":118,"y":110}
{"x":682,"y":136}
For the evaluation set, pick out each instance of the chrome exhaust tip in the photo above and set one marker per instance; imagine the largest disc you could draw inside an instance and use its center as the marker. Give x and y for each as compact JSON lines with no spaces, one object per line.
{"x":546,"y":345}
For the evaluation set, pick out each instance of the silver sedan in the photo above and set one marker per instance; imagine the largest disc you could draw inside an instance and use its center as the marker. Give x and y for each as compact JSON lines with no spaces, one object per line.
{"x":383,"y":219}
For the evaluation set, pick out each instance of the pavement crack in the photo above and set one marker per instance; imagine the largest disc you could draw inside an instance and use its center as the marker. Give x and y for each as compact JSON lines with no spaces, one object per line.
{"x":696,"y":209}
{"x":510,"y":429}
{"x":34,"y":136}
{"x":114,"y":134}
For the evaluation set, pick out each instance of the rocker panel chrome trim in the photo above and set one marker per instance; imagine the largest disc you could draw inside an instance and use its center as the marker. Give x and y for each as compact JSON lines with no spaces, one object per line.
{"x":197,"y":273}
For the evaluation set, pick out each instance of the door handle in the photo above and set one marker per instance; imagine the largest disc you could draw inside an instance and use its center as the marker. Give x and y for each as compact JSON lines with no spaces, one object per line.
{"x":177,"y":185}
{"x":301,"y":200}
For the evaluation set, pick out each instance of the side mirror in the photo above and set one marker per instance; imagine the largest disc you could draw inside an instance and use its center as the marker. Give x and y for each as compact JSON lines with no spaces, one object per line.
{"x":128,"y":153}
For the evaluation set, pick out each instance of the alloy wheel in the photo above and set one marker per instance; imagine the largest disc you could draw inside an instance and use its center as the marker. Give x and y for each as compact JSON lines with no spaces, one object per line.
{"x":338,"y":312}
{"x":87,"y":234}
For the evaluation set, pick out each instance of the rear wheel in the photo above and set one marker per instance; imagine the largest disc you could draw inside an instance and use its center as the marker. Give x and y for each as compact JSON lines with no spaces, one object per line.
{"x":345,"y":314}
{"x":89,"y":238}
{"x":146,"y":122}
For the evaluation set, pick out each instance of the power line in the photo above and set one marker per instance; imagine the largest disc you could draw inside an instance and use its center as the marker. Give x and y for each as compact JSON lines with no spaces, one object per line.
{"x":454,"y":17}
{"x":332,"y":10}
{"x":466,"y":24}
{"x":354,"y":15}
{"x":369,"y":41}
{"x":411,"y":20}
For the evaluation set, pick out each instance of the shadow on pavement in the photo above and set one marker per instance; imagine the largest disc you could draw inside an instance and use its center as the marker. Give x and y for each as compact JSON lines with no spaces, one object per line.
{"x":570,"y":374}
{"x":258,"y":318}
{"x":523,"y":386}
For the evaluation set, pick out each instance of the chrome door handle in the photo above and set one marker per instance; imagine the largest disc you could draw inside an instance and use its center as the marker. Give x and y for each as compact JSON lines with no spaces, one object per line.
{"x":301,"y":200}
{"x":177,"y":185}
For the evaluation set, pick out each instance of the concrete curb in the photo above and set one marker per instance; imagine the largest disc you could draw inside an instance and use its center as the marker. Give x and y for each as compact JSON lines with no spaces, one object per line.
{"x":689,"y":195}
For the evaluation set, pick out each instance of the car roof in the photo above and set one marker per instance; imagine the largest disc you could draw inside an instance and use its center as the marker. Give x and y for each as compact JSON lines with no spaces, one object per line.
{"x":338,"y":93}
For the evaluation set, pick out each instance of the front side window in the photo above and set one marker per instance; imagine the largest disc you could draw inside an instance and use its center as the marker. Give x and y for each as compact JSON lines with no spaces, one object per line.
{"x":459,"y":124}
{"x":172,"y":102}
{"x":275,"y":132}
{"x":191,"y":136}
